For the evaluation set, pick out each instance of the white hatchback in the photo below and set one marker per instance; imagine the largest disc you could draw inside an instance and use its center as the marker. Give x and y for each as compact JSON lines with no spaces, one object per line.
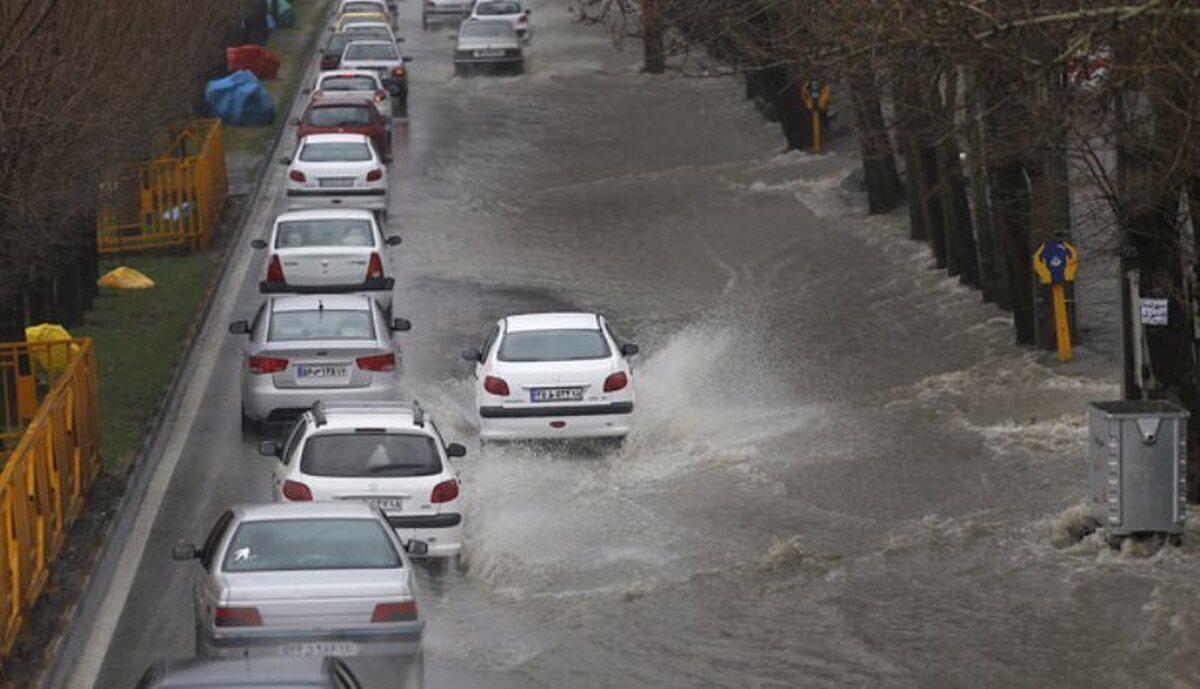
{"x":385,"y":454}
{"x":329,"y":252}
{"x":507,"y":10}
{"x":355,"y":83}
{"x":337,"y":170}
{"x":552,"y":375}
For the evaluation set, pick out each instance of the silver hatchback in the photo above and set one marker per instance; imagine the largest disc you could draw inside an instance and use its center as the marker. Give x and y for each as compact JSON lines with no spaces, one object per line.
{"x":316,"y":347}
{"x":307,"y":580}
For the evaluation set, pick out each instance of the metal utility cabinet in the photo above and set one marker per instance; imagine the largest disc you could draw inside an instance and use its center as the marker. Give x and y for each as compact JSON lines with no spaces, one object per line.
{"x":1138,"y":458}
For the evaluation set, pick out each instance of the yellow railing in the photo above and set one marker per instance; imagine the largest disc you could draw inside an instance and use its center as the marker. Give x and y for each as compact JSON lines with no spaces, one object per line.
{"x":173,"y":200}
{"x":51,"y":455}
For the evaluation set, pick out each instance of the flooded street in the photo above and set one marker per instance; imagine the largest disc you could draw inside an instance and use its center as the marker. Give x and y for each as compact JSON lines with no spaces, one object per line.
{"x":842,"y":472}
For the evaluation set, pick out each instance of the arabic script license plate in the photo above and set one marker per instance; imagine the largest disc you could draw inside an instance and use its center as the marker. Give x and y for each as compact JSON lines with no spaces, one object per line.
{"x":320,"y":649}
{"x":336,"y":182}
{"x":491,"y":52}
{"x":389,"y":504}
{"x":324,"y":372}
{"x":556,"y":394}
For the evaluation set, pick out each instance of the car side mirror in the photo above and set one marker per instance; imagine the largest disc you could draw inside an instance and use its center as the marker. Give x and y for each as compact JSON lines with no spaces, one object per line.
{"x":393,"y":240}
{"x":401,"y":325}
{"x":472,"y":355}
{"x":629,"y":349}
{"x":269,"y":448}
{"x":407,"y":58}
{"x":258,"y":243}
{"x":456,"y":450}
{"x":415,"y":547}
{"x":285,"y":161}
{"x":184,"y":552}
{"x":239,"y":328}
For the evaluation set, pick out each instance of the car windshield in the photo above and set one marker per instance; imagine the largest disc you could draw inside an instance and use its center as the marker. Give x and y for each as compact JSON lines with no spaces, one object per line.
{"x":349,"y":83}
{"x":361,"y":7}
{"x":339,"y":152}
{"x":341,"y":116}
{"x":489,"y":29}
{"x":371,"y":51}
{"x":553,"y":345}
{"x":298,"y":544}
{"x":320,"y":324}
{"x":486,"y":9}
{"x":303,"y":234}
{"x":373,"y":453}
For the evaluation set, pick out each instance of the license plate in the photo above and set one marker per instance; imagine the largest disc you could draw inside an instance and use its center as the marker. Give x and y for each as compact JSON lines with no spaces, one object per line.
{"x":335,"y":181}
{"x":321,"y":372}
{"x":556,"y":394}
{"x":491,"y":52}
{"x":320,"y":649}
{"x":392,"y":504}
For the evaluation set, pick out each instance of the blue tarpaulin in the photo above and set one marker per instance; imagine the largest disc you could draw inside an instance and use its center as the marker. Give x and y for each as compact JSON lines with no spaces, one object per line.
{"x":240,"y":99}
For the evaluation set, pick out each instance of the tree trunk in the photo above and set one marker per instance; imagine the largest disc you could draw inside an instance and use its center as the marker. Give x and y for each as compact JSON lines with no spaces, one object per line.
{"x":992,"y":280}
{"x":884,"y":191}
{"x":654,"y":56}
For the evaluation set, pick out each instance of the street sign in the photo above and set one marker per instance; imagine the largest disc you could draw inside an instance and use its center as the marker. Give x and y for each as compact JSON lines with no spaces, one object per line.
{"x":1155,"y":311}
{"x":1055,"y":264}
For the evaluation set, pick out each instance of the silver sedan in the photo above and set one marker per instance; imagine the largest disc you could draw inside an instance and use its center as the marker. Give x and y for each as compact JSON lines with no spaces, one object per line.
{"x":490,"y":44}
{"x":320,"y":347}
{"x":308,"y":580}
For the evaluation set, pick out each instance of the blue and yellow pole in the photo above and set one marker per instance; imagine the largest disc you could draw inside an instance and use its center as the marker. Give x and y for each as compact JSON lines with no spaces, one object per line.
{"x":1055,"y":264}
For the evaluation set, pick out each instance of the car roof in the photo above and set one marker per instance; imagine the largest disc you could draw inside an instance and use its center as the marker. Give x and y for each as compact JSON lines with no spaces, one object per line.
{"x":196,"y":672}
{"x":333,"y":98}
{"x":342,"y":415}
{"x":366,"y":23}
{"x":334,"y":139}
{"x":327,"y":213}
{"x":562,"y":320}
{"x":270,"y":511}
{"x":312,"y":302}
{"x":340,"y":73}
{"x":372,"y":41}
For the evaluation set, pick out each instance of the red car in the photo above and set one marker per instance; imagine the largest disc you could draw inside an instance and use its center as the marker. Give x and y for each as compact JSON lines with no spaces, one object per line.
{"x":330,"y":115}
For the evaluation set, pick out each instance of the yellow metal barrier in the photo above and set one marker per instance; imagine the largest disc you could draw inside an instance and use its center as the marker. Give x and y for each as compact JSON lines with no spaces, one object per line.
{"x":173,"y":200}
{"x":48,"y":467}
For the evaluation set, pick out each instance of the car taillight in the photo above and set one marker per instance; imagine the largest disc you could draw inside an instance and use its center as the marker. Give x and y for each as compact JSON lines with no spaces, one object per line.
{"x":275,"y":270}
{"x":398,"y":72}
{"x":444,"y":492}
{"x":379,"y":96}
{"x":395,"y":612}
{"x":375,"y":267}
{"x":266,"y":364}
{"x":522,"y":19}
{"x":616,"y":381}
{"x":377,"y":362}
{"x":237,"y":617}
{"x":296,"y":491}
{"x":496,"y":386}
{"x":375,"y":175}
{"x":297,"y":176}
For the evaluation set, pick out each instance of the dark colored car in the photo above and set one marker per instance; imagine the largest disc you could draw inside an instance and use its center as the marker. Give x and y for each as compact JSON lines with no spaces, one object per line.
{"x":332,"y":115}
{"x":292,"y":673}
{"x":331,"y":54}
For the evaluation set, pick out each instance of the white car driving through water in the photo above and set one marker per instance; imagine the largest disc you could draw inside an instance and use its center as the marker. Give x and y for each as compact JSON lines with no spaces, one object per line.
{"x":552,"y":375}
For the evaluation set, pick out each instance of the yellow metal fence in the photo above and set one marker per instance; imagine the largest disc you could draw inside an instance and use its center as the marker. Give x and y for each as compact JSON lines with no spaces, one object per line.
{"x":173,"y":200}
{"x":50,"y":447}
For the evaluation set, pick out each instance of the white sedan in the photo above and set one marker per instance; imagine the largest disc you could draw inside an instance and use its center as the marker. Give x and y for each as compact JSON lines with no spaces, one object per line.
{"x":337,"y":170}
{"x":552,"y":375}
{"x":507,"y":10}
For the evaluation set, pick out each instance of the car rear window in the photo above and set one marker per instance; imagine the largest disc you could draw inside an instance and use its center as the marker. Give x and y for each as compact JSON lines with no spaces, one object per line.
{"x":373,"y":453}
{"x":488,"y":29}
{"x":374,"y":51}
{"x":300,"y":544}
{"x":361,"y":7}
{"x":553,"y":345}
{"x":350,"y":83}
{"x":341,"y":116}
{"x":494,"y":8}
{"x":340,"y":152}
{"x":301,"y":234}
{"x":325,"y":324}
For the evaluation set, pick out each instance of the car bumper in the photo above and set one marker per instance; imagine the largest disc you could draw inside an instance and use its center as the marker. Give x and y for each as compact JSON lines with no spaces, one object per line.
{"x":394,"y":643}
{"x":262,"y":401}
{"x":459,"y":11}
{"x":372,"y":200}
{"x":369,"y":286}
{"x":538,"y":423}
{"x":443,"y":533}
{"x":490,"y":61}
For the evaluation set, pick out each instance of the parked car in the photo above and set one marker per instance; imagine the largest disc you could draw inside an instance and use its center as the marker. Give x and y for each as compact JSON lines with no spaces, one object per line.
{"x":355,"y":83}
{"x":301,"y":349}
{"x":507,"y":10}
{"x":329,"y":251}
{"x":383,"y":58}
{"x":293,"y":673}
{"x":385,"y":454}
{"x":307,"y":580}
{"x":343,"y":115}
{"x":337,"y":170}
{"x":488,"y":44}
{"x":438,"y":10}
{"x":552,"y":375}
{"x":331,"y":54}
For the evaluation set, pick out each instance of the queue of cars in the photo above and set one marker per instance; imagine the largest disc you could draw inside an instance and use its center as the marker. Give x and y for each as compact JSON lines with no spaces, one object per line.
{"x":362,"y":482}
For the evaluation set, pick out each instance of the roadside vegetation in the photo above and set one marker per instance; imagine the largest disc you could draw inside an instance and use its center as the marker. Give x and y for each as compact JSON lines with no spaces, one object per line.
{"x":999,"y":125}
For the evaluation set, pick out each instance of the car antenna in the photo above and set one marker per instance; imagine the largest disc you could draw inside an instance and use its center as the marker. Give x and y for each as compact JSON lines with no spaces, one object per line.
{"x":320,"y":305}
{"x":318,"y":413}
{"x":418,"y":415}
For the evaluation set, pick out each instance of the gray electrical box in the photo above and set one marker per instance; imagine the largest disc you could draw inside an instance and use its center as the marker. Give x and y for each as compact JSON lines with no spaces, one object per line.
{"x":1138,"y":457}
